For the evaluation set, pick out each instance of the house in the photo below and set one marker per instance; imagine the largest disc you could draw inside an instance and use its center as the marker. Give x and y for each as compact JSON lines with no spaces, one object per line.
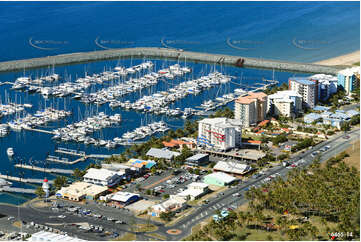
{"x":232,"y":168}
{"x":125,"y":198}
{"x":162,"y":153}
{"x":179,"y":144}
{"x":102,"y":177}
{"x":81,"y":190}
{"x":197,"y":160}
{"x":219,"y":179}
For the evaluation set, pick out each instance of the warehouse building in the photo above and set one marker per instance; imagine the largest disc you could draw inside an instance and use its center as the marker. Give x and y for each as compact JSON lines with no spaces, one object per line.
{"x":219,"y":179}
{"x":197,"y":160}
{"x":162,"y":153}
{"x":232,"y":168}
{"x":194,"y":191}
{"x":125,"y":198}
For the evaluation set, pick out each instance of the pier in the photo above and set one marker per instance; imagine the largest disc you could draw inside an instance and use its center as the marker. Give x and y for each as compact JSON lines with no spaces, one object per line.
{"x":16,"y":189}
{"x":40,"y":130}
{"x":70,"y":152}
{"x":48,"y":170}
{"x":25,"y":180}
{"x":167,"y":53}
{"x":65,"y":160}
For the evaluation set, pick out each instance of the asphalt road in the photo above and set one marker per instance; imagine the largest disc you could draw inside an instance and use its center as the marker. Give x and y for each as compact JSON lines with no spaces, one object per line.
{"x":44,"y":216}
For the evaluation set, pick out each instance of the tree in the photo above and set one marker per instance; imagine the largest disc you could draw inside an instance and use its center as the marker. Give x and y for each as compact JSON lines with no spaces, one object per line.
{"x":39,"y":192}
{"x":78,"y":173}
{"x":60,"y":181}
{"x":165,"y":196}
{"x":166,"y":216}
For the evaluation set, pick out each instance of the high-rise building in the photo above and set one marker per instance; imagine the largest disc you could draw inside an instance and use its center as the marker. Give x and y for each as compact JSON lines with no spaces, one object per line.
{"x":219,"y":133}
{"x":349,"y":79}
{"x":306,"y":88}
{"x":327,"y":85}
{"x":251,"y":108}
{"x":287,"y":103}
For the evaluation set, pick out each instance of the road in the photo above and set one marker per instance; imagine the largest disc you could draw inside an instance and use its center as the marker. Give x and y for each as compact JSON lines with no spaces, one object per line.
{"x":45,"y":215}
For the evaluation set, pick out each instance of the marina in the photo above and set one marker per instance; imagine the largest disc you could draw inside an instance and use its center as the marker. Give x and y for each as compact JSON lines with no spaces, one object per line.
{"x":142,"y":102}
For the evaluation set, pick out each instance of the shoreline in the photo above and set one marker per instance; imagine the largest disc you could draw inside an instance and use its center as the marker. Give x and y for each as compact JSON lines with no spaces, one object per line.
{"x":347,"y":59}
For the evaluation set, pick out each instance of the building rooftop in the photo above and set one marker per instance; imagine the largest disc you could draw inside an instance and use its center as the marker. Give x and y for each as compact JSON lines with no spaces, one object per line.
{"x":251,"y":97}
{"x":302,"y":80}
{"x":162,"y":153}
{"x":350,"y":71}
{"x":82,"y":188}
{"x":321,"y":108}
{"x":99,"y":174}
{"x":196,"y":157}
{"x":222,"y":177}
{"x":232,"y":167}
{"x":45,"y":236}
{"x":123,"y":196}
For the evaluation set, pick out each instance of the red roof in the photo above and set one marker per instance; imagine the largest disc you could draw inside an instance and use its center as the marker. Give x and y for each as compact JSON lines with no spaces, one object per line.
{"x":174,"y":143}
{"x":254,"y":142}
{"x":45,"y":180}
{"x":263,"y":123}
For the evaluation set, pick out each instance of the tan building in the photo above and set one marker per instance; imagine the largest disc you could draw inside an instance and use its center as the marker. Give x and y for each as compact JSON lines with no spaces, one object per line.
{"x":251,"y":108}
{"x":81,"y":190}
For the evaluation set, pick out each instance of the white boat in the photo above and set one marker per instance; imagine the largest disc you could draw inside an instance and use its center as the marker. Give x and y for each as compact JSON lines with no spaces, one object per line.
{"x":10,"y":152}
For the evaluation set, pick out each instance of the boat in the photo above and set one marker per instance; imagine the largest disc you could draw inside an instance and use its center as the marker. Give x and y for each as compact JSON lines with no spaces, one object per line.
{"x":10,"y":152}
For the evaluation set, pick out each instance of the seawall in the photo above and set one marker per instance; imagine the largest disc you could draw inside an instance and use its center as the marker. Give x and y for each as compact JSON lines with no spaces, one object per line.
{"x":152,"y":52}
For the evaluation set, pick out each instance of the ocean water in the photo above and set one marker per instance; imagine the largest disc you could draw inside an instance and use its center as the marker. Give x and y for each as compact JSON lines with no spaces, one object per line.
{"x":298,"y":31}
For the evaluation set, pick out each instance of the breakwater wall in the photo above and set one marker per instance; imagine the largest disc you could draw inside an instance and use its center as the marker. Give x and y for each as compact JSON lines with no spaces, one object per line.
{"x":152,"y":52}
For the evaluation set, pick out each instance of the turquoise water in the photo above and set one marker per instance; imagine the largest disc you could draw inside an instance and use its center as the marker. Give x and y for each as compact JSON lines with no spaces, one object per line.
{"x":296,"y":31}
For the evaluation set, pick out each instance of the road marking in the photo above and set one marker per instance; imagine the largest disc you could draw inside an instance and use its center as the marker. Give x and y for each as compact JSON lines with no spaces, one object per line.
{"x":184,"y":225}
{"x":201,"y":214}
{"x":206,"y":213}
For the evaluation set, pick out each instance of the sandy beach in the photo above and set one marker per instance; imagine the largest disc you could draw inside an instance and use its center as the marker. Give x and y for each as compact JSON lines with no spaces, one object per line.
{"x":347,"y":59}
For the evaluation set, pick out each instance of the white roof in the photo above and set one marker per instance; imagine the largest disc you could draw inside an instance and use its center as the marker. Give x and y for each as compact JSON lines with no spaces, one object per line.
{"x":221,"y":122}
{"x":284,"y":94}
{"x":350,"y":71}
{"x":232,"y":167}
{"x":190,"y":192}
{"x":48,"y":236}
{"x":222,"y":177}
{"x":99,"y":174}
{"x":123,"y":196}
{"x":198,"y":184}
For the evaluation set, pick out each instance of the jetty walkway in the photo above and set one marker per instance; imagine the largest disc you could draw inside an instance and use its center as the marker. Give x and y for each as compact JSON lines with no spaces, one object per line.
{"x":25,"y":180}
{"x":167,"y":53}
{"x":48,"y":170}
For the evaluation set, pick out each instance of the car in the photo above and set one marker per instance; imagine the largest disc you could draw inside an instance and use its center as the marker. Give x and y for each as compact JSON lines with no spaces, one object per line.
{"x":236,"y":194}
{"x":61,"y":216}
{"x":328,"y":147}
{"x":119,"y":222}
{"x":346,"y":137}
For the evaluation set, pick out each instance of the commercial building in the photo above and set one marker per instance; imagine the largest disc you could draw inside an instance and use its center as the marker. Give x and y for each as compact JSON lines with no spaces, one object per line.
{"x":194,"y":191}
{"x":125,"y":198}
{"x":251,"y":108}
{"x":286,"y":103}
{"x":173,"y":204}
{"x":162,"y":153}
{"x":232,"y":168}
{"x":44,"y":236}
{"x":102,"y":177}
{"x":306,"y":88}
{"x":349,"y":79}
{"x":219,"y":133}
{"x":219,"y":179}
{"x":124,"y":171}
{"x":81,"y":190}
{"x":142,"y":164}
{"x":197,"y":160}
{"x":327,"y":85}
{"x":312,"y":117}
